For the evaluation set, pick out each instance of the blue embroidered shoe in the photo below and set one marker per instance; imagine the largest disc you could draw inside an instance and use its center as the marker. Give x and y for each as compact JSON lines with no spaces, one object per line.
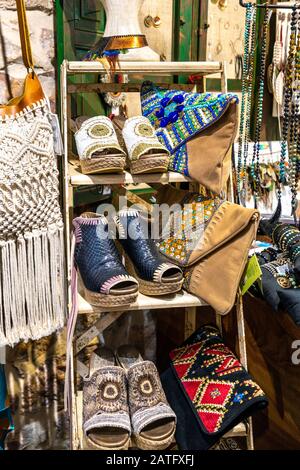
{"x":156,"y":276}
{"x":105,"y":280}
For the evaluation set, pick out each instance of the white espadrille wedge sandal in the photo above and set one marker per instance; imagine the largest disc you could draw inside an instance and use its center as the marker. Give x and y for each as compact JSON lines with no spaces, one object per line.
{"x":145,"y":152}
{"x":98,"y":148}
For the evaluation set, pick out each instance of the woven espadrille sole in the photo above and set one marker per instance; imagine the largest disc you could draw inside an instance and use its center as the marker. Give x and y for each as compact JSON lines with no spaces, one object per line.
{"x":147,"y":444}
{"x":88,"y":444}
{"x":106,"y":300}
{"x":106,"y":164}
{"x":152,"y":288}
{"x":158,"y":164}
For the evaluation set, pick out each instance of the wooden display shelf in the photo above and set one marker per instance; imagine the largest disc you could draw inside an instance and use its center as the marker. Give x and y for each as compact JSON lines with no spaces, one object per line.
{"x":181,"y":300}
{"x":73,"y":178}
{"x":153,"y":68}
{"x":79,"y":179}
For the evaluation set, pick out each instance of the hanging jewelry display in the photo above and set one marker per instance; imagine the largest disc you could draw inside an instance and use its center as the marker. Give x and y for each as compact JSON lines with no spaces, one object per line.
{"x":255,"y":168}
{"x":277,"y":67}
{"x":289,"y":165}
{"x":290,"y":125}
{"x":247,"y":89}
{"x":295,"y":154}
{"x":248,"y":108}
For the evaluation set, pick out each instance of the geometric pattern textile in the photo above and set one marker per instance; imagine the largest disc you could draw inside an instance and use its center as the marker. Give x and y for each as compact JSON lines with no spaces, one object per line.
{"x":182,"y":235}
{"x":209,"y":390}
{"x":214,"y":380}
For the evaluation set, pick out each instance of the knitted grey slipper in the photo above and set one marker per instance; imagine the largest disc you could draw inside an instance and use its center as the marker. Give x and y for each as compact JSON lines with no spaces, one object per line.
{"x":153,"y":421}
{"x":106,"y":421}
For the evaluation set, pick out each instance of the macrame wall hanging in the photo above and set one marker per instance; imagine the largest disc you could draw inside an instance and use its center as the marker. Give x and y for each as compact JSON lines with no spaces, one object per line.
{"x":32,"y":264}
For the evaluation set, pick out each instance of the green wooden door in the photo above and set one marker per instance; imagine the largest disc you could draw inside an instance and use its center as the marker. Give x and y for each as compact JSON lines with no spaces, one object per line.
{"x":187,"y":30}
{"x":85,"y":20}
{"x":80,"y":24}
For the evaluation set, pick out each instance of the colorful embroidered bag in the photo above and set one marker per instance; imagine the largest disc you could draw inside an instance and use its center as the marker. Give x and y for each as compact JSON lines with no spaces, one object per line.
{"x":32,"y":279}
{"x":209,"y":390}
{"x":209,"y":238}
{"x":198,"y":129}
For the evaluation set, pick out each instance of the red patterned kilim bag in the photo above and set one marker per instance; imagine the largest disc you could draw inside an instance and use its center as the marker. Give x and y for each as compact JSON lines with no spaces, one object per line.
{"x":209,"y":390}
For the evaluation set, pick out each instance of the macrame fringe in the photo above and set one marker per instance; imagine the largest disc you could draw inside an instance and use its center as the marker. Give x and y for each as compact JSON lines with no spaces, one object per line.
{"x":32,"y":286}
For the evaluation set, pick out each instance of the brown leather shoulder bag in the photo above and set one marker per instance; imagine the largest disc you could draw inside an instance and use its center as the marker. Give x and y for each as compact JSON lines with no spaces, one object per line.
{"x":210,"y":239}
{"x":33,"y":91}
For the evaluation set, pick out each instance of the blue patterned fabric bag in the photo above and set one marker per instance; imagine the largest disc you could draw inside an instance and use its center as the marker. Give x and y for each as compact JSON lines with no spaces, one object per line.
{"x":198,"y":129}
{"x":6,"y":424}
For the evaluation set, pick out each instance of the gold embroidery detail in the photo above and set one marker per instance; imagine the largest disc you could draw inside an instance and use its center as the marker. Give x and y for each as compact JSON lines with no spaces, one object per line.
{"x":144,"y":130}
{"x":100,"y":130}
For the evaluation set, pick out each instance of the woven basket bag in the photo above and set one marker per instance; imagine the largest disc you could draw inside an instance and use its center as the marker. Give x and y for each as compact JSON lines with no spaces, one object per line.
{"x":32,"y":278}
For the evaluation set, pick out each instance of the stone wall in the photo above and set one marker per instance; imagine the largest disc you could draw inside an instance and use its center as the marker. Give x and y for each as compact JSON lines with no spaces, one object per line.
{"x":41,"y":25}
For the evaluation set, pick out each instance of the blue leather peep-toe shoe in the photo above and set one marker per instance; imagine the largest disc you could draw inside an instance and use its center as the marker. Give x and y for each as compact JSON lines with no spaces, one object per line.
{"x":104,"y":278}
{"x":155,"y":274}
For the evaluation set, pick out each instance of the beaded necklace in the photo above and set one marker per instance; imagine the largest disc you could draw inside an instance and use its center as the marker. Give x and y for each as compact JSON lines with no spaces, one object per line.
{"x":249,"y":9}
{"x":295,"y":253}
{"x":255,"y":167}
{"x":250,"y":94}
{"x":291,"y":120}
{"x":285,"y":236}
{"x":247,"y":88}
{"x":296,"y":120}
{"x":291,"y":110}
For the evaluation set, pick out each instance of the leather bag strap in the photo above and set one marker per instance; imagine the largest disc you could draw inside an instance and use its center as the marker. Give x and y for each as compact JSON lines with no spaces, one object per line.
{"x":24,"y":35}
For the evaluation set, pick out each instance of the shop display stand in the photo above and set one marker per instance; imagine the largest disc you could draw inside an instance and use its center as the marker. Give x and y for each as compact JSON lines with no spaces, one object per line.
{"x":74,"y":178}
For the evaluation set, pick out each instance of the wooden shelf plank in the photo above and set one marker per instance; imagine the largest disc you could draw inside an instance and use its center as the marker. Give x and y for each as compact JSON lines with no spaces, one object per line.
{"x":181,"y":300}
{"x":152,"y":68}
{"x":134,"y":86}
{"x":79,"y":179}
